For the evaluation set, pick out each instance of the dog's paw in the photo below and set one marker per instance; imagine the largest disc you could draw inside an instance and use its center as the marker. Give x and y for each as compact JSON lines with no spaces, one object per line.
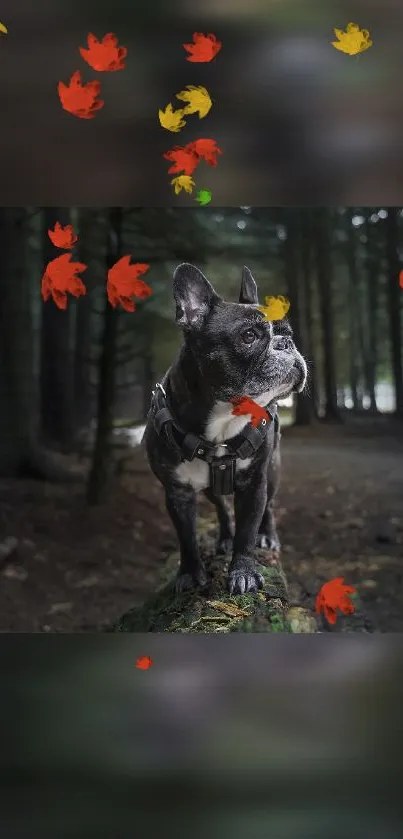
{"x":244,"y":577}
{"x":268,"y":541}
{"x":224,"y":546}
{"x":187,"y":582}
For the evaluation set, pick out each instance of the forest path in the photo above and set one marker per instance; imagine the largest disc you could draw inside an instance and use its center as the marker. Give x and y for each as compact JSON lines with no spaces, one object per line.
{"x":340,"y":513}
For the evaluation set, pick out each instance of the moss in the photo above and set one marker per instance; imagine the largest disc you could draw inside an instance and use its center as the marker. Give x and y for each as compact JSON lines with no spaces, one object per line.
{"x":191,"y":612}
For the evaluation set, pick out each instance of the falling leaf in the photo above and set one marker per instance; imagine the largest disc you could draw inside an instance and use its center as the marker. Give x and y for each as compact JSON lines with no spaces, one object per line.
{"x":144,"y":662}
{"x":60,"y":277}
{"x":401,"y":279}
{"x":204,"y":47}
{"x":78,"y":99}
{"x":123,"y":283}
{"x":203,"y":197}
{"x":198,"y":98}
{"x":3,"y":28}
{"x":62,"y":237}
{"x":275,"y":308}
{"x":353,"y":40}
{"x":205,"y":148}
{"x":172,"y":120}
{"x":105,"y":55}
{"x":183,"y":159}
{"x":228,"y":608}
{"x":334,"y":595}
{"x":243,"y":405}
{"x":183,"y":182}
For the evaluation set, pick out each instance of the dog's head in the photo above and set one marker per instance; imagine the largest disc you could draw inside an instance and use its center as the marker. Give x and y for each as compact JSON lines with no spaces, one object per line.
{"x":237,"y":351}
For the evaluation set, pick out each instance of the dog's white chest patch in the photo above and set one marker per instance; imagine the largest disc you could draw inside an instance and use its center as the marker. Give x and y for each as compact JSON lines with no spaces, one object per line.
{"x":221,"y":426}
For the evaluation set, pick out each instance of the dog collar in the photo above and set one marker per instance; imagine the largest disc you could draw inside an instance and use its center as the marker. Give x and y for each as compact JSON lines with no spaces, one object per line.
{"x":187,"y":445}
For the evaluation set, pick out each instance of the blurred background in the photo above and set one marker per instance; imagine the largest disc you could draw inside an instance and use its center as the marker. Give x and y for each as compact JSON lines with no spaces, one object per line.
{"x":290,"y":737}
{"x":298,"y":122}
{"x":83,"y":528}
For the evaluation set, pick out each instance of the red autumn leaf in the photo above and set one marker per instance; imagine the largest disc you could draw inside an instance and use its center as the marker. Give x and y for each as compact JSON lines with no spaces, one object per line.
{"x":105,"y":55}
{"x":401,"y":279}
{"x":244,"y":405}
{"x":60,"y":277}
{"x":144,"y":662}
{"x":184,"y":159}
{"x":78,"y":99}
{"x":123,"y":283}
{"x":332,"y":596}
{"x":62,"y":237}
{"x":204,"y":47}
{"x":205,"y":148}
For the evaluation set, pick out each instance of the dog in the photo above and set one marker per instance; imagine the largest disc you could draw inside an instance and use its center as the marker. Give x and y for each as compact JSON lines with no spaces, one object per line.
{"x":195,"y":443}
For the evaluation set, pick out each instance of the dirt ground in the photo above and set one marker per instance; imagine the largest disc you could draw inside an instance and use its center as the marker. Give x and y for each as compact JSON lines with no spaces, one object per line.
{"x":340,"y":513}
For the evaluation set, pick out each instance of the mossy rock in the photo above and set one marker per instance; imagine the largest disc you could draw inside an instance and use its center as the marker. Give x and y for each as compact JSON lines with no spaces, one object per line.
{"x":196,"y":612}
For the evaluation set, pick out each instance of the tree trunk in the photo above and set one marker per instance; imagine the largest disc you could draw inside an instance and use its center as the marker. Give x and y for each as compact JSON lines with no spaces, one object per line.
{"x":18,"y":394}
{"x":306,"y":270}
{"x":372,"y":298}
{"x":324,"y":274}
{"x":57,"y":353}
{"x":394,"y":305}
{"x":354,"y":311}
{"x":304,"y":412}
{"x":101,"y":463}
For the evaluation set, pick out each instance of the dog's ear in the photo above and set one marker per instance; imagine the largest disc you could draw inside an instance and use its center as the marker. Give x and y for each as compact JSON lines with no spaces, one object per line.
{"x":248,"y":293}
{"x":193,"y":295}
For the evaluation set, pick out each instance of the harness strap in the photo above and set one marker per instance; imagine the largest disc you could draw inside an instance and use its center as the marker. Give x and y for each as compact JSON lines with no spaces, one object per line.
{"x":188,"y":445}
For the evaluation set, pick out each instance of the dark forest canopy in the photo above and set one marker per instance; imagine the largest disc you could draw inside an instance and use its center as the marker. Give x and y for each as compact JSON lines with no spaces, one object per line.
{"x":60,"y":371}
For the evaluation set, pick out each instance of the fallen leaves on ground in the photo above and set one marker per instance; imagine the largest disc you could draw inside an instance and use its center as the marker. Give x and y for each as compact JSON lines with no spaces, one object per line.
{"x":228,"y":608}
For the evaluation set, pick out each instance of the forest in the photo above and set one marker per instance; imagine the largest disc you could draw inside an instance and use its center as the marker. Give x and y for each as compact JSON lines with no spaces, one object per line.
{"x":82,"y":524}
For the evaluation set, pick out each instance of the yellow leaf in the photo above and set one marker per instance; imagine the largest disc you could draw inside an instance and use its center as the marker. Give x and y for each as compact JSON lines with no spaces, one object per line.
{"x":185,"y":182}
{"x":171,"y":120}
{"x":228,"y":608}
{"x":276,"y":308}
{"x":3,"y":28}
{"x":198,"y":98}
{"x":353,"y":41}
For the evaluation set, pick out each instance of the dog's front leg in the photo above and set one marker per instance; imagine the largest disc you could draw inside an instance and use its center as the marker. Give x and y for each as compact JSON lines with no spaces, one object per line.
{"x":249,"y":506}
{"x":181,"y":506}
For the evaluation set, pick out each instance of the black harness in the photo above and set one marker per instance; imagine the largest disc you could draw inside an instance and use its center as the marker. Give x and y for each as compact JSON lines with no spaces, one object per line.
{"x":187,"y":446}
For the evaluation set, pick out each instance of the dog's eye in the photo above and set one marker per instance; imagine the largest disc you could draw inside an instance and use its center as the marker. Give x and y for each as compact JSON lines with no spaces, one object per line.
{"x":249,"y":336}
{"x":283,"y":343}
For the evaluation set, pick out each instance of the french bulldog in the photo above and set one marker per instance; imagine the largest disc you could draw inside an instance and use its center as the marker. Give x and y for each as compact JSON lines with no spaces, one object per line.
{"x":230,"y":350}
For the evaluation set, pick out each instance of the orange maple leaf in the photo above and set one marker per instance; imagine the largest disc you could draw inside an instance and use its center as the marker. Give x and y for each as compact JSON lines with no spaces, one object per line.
{"x":205,"y":148}
{"x":63,"y":237}
{"x":204,"y":47}
{"x":60,"y":278}
{"x":105,"y":55}
{"x":78,"y":99}
{"x":144,"y":662}
{"x":184,"y":160}
{"x":334,"y":595}
{"x":244,"y":405}
{"x":123,"y":283}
